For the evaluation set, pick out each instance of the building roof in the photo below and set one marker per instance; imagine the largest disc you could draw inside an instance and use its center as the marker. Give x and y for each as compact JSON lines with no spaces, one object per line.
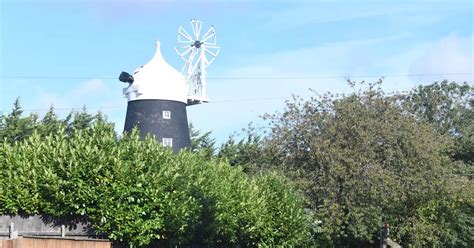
{"x":157,"y":80}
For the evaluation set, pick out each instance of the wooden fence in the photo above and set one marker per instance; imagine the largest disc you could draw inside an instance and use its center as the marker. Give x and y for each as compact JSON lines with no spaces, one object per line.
{"x":49,"y":242}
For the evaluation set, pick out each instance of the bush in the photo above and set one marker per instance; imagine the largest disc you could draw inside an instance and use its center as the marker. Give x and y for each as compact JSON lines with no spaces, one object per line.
{"x":141,"y":194}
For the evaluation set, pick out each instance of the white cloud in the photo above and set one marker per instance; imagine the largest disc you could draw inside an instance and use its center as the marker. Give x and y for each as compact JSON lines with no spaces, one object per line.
{"x":452,"y":54}
{"x":338,"y":59}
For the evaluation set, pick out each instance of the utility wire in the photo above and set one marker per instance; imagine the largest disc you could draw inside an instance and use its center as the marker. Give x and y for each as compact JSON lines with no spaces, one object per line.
{"x":124,"y":106}
{"x":391,"y":92}
{"x":252,"y":78}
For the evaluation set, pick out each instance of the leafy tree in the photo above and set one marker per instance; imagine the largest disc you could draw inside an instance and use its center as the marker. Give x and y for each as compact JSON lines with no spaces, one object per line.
{"x":362,"y":160}
{"x":442,"y":104}
{"x":450,"y":108}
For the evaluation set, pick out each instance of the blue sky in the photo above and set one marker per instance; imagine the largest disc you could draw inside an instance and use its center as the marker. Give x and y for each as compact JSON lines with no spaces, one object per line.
{"x":270,"y":50}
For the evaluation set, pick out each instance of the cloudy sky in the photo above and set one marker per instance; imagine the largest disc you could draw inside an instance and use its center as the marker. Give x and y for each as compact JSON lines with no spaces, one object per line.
{"x":69,"y":53}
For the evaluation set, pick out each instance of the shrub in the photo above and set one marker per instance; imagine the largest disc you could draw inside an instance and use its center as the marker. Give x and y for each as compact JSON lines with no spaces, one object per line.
{"x":141,"y":194}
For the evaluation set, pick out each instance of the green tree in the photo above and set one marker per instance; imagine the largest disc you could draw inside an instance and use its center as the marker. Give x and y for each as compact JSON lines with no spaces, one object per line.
{"x":202,"y":142}
{"x":14,"y":127}
{"x":362,"y":160}
{"x":449,"y":107}
{"x":50,"y":123}
{"x":79,"y":120}
{"x":247,"y":153}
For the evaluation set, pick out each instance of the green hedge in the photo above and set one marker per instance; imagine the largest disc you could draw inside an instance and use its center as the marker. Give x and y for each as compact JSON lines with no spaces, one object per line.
{"x":141,"y":194}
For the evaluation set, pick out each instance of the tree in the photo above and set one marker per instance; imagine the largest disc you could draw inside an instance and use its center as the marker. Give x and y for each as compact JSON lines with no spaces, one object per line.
{"x":246,"y":153}
{"x":202,"y":142}
{"x":50,"y":123}
{"x":362,"y":160}
{"x":449,"y":107}
{"x":14,"y":127}
{"x":80,"y":120}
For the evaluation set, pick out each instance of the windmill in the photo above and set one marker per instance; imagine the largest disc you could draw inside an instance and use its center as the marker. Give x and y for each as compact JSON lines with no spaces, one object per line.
{"x":158,"y":94}
{"x":198,"y":52}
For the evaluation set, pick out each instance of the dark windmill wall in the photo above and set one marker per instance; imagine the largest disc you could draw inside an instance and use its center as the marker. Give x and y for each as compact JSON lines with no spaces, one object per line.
{"x":148,"y":116}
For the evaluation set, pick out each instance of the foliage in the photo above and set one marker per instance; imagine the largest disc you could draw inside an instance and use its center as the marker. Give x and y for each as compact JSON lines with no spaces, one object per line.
{"x":50,"y":123}
{"x":363,"y":160}
{"x":442,"y":104}
{"x":14,"y":127}
{"x":246,"y":153}
{"x":202,"y":142}
{"x":360,"y":160}
{"x":449,"y":107}
{"x":141,"y":194}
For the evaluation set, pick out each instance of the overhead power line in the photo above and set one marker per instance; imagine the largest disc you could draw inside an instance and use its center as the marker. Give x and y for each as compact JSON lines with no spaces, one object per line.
{"x":125,"y":106}
{"x":250,"y":78}
{"x":392,"y":91}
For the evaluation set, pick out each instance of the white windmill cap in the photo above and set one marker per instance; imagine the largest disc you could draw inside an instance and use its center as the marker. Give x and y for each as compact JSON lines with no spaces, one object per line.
{"x":157,"y":80}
